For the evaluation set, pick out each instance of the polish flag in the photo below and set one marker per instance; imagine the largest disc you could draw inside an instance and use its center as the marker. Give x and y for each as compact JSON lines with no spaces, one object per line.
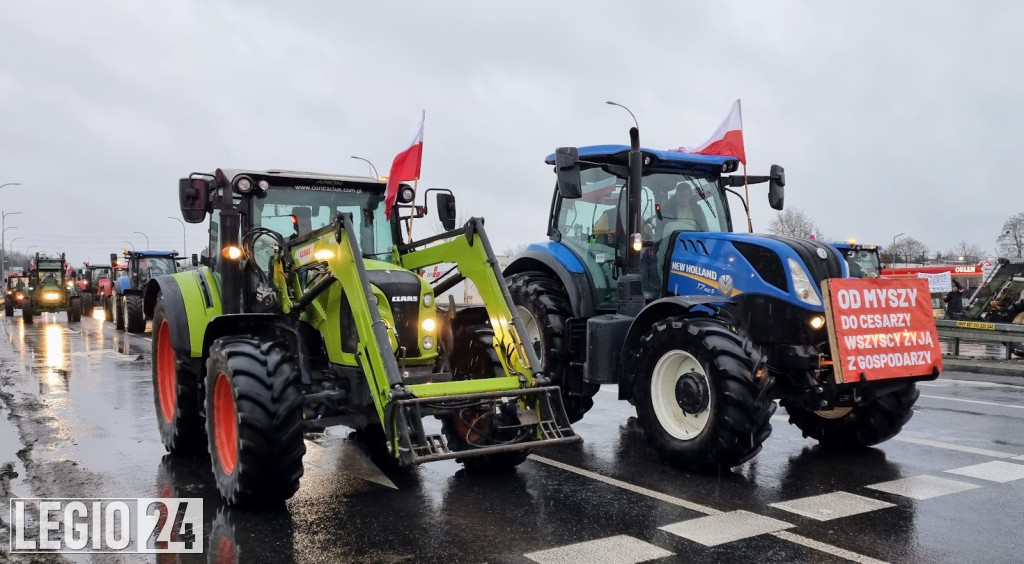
{"x":406,"y":166}
{"x":727,"y":140}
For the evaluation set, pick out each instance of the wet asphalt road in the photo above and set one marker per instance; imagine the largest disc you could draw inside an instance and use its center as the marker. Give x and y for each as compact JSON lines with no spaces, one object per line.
{"x":77,"y":420}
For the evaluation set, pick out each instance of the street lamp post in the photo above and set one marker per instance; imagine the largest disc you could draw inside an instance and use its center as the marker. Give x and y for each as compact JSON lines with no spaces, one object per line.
{"x":130,"y":243}
{"x":146,"y":236}
{"x":184,"y":242}
{"x":610,"y":103}
{"x":367,"y":161}
{"x":11,"y":252}
{"x":3,"y":231}
{"x":10,"y":184}
{"x":895,"y":257}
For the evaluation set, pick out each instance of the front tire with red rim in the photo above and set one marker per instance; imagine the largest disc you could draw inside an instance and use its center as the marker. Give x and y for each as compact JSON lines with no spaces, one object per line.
{"x":175,"y":391}
{"x":254,"y":420}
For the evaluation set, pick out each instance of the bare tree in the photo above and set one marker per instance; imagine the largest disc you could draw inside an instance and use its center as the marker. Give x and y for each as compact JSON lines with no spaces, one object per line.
{"x":513,"y":251}
{"x":963,"y":252}
{"x":1011,"y":242}
{"x":792,"y":222}
{"x":907,"y":250}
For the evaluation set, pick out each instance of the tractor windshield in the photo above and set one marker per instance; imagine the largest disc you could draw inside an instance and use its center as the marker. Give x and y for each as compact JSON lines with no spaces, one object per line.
{"x":16,"y":283}
{"x":863,"y":263}
{"x":295,"y":211}
{"x":152,"y":267}
{"x":98,"y":273}
{"x":671,"y":201}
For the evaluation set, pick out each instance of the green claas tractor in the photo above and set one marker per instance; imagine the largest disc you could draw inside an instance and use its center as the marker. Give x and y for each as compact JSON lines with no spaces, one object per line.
{"x":49,"y":290}
{"x":306,"y":313}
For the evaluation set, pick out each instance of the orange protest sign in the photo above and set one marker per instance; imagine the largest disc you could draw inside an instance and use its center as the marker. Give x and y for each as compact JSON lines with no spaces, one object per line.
{"x":881,"y":328}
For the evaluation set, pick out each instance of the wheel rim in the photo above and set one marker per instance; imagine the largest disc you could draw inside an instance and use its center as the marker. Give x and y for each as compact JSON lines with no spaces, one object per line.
{"x":533,"y":332}
{"x":167,"y":380}
{"x":673,"y":368}
{"x":225,"y":424}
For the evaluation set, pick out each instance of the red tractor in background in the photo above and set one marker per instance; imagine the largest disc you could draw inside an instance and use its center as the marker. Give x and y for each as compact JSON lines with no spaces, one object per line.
{"x":96,"y":285}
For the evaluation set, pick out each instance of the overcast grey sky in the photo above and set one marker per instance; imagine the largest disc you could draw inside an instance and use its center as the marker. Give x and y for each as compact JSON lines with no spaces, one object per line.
{"x":888,"y":116}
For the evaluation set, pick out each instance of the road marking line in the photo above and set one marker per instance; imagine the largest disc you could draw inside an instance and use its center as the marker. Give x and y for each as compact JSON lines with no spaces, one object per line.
{"x":622,"y":549}
{"x":826,"y":548}
{"x":974,"y":401}
{"x":714,"y":530}
{"x":952,"y":383}
{"x":922,"y":487}
{"x":833,"y":505}
{"x":995,"y":471}
{"x":951,"y":446}
{"x":627,"y":486}
{"x":784,"y":535}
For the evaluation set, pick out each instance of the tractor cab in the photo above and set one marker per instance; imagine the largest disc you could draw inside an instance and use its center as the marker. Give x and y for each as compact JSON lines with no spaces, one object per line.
{"x":863,"y":260}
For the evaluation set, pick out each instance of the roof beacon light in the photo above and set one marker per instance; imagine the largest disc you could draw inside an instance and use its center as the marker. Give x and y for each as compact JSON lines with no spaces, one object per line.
{"x":852,"y":241}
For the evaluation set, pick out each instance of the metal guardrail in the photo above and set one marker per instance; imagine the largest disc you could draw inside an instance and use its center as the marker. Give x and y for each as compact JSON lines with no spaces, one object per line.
{"x":1007,"y":334}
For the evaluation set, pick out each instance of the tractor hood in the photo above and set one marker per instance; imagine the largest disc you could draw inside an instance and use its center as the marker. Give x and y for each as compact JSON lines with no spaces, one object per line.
{"x":737,"y":263}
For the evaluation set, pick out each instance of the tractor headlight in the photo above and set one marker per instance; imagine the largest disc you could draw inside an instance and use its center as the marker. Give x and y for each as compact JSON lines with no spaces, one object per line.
{"x":429,"y":325}
{"x":21,"y":296}
{"x":817,"y":322}
{"x":428,"y":343}
{"x":243,"y":185}
{"x":802,"y":284}
{"x":428,"y":300}
{"x":231,"y":252}
{"x":51,"y":296}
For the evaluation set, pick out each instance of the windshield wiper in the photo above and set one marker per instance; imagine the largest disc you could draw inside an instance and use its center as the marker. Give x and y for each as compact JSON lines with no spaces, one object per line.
{"x":704,"y":197}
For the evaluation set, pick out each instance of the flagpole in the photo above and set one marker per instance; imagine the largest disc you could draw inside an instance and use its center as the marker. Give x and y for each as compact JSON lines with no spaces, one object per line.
{"x":412,"y":216}
{"x":746,"y":187}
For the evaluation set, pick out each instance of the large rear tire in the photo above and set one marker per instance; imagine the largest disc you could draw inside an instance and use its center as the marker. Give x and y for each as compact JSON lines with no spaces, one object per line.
{"x":475,"y":357}
{"x":135,"y":321}
{"x":75,"y":310}
{"x":175,"y":391}
{"x":857,"y":427}
{"x":697,"y":397}
{"x":117,"y":309}
{"x":88,"y":304}
{"x":544,"y":307}
{"x":9,"y":307}
{"x":26,"y":310}
{"x":254,"y":421}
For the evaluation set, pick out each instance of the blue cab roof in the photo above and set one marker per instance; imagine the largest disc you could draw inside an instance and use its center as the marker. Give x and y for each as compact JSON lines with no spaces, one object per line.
{"x":619,"y":154}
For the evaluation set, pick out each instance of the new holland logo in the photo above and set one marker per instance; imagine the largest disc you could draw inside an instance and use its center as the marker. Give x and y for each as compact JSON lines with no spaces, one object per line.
{"x":725,"y":284}
{"x":405,"y":298}
{"x":822,"y":254}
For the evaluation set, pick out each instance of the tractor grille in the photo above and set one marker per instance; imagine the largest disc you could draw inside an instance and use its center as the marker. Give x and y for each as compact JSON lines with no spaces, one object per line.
{"x":402,"y":289}
{"x":817,"y":268}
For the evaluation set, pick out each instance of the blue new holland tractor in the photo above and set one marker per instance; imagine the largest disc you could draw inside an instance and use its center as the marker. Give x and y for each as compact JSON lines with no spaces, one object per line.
{"x":643,"y":283}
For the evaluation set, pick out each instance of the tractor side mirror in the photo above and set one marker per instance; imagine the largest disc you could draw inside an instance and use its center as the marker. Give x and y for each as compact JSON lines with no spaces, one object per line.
{"x":193,"y":195}
{"x":113,"y":260}
{"x":777,"y":187}
{"x":195,"y":259}
{"x":567,"y":171}
{"x":446,"y":210}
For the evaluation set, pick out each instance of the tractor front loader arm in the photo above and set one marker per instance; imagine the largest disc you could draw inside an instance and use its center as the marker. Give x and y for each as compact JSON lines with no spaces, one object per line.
{"x":331,"y":255}
{"x":469,"y":248}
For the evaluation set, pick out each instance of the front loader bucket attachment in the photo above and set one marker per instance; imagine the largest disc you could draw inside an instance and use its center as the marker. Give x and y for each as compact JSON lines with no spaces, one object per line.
{"x":542,"y":421}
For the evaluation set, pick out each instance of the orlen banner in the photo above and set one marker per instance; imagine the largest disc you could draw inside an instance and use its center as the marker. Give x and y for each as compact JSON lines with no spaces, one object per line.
{"x":881,"y":328}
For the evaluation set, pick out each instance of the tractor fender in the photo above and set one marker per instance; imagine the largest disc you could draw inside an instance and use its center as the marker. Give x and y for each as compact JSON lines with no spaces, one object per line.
{"x":567,"y":269}
{"x":239,"y":324}
{"x":654,"y":311}
{"x":174,"y":304}
{"x":192,"y":300}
